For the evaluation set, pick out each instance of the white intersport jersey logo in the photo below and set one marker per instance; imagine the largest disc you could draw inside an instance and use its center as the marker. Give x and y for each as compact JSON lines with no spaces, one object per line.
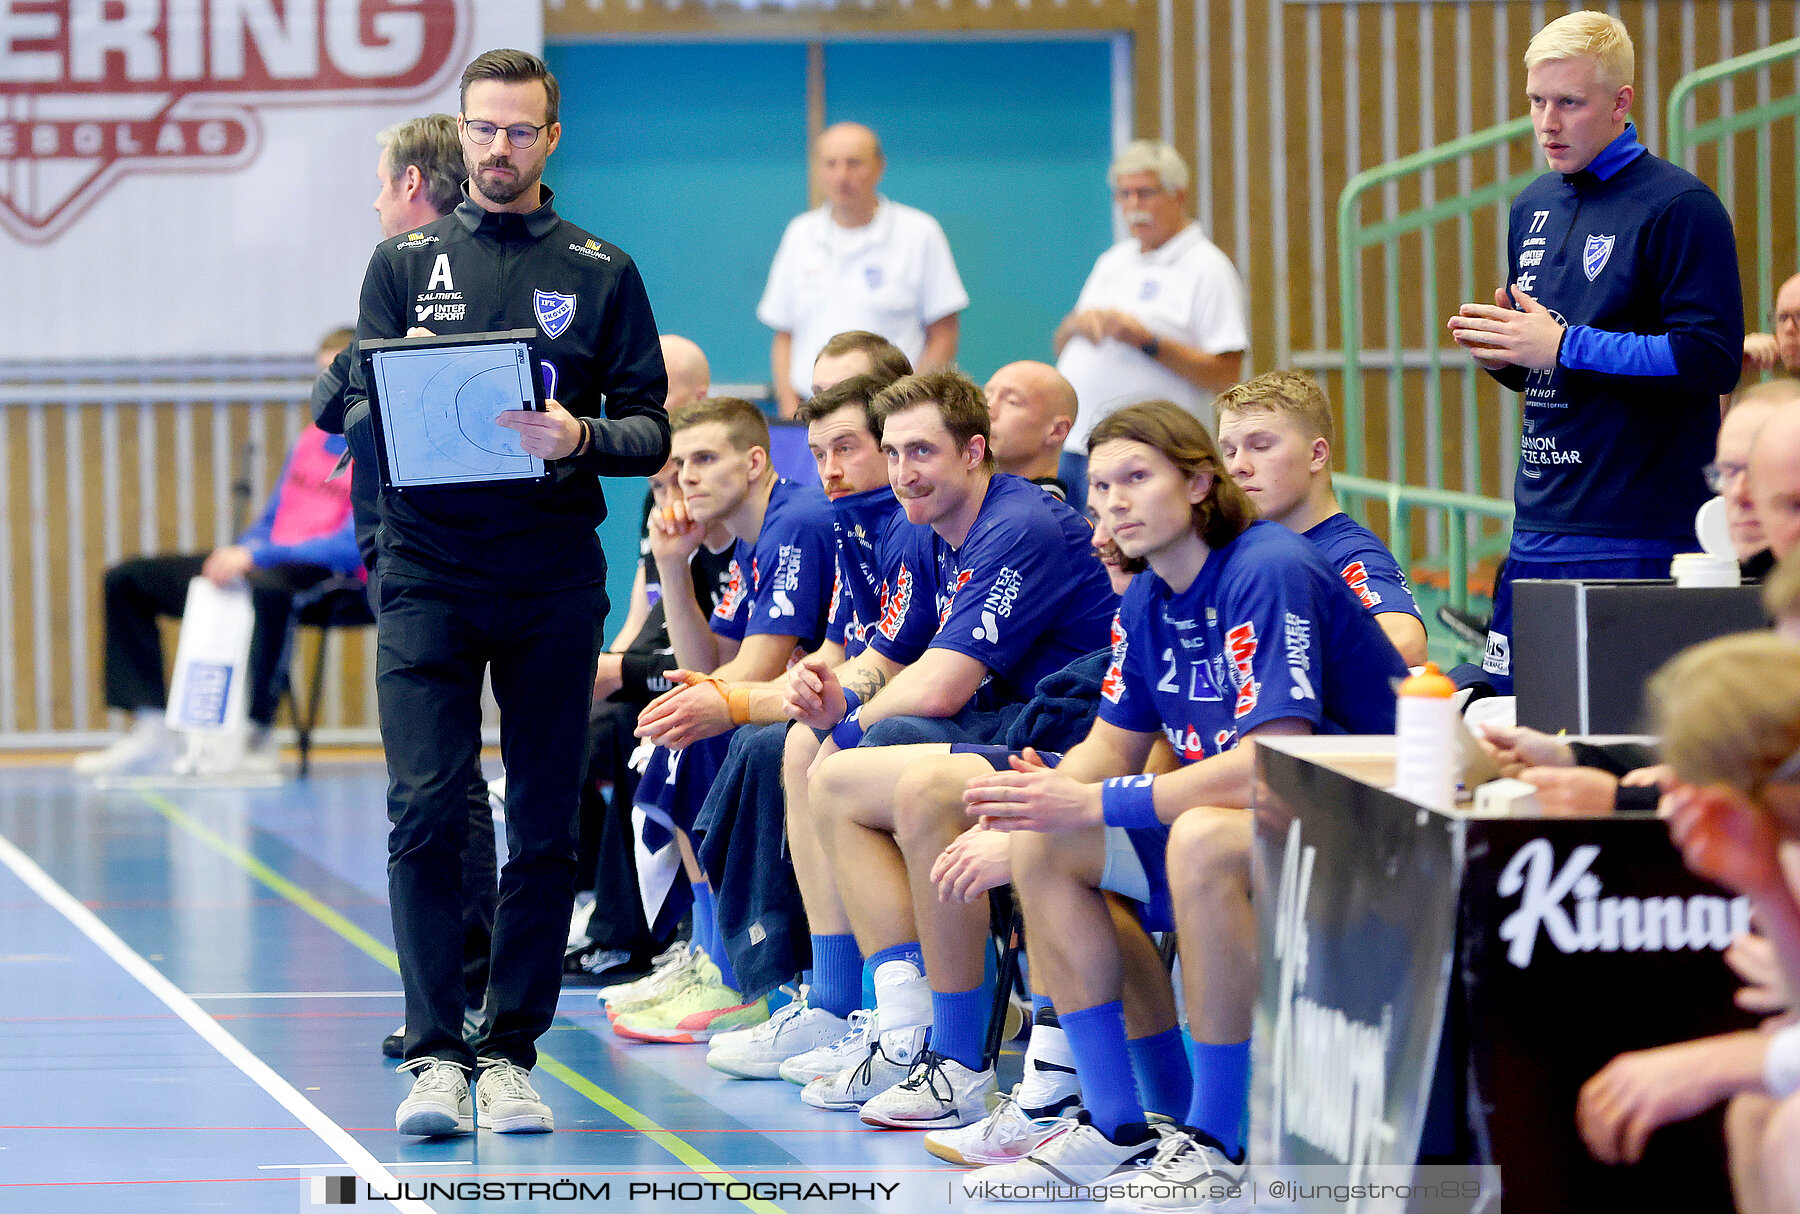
{"x":1565,"y":906}
{"x":96,"y":91}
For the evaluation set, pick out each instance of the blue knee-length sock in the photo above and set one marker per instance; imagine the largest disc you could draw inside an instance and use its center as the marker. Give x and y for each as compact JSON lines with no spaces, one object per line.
{"x":1221,"y":1100}
{"x":705,"y":923}
{"x":1103,"y":1062}
{"x":959,"y":1025}
{"x":706,"y":910}
{"x":1161,"y":1065}
{"x":837,"y":974}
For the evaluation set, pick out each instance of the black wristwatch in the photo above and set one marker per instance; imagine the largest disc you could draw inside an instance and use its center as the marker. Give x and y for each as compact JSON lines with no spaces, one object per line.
{"x":1152,"y":347}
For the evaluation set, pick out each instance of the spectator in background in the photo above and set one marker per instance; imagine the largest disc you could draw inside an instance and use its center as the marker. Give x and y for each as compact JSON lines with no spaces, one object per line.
{"x":1031,"y":409}
{"x":303,"y":536}
{"x":1161,"y":316}
{"x":858,"y":261}
{"x":1622,"y":323}
{"x":1780,"y":350}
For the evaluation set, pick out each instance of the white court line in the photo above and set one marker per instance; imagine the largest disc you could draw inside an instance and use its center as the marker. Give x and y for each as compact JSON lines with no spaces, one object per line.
{"x":88,"y":924}
{"x":197,"y":995}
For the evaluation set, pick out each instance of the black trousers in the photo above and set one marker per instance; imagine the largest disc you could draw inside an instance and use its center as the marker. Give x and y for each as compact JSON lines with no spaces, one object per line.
{"x":433,"y":643}
{"x":145,"y":587}
{"x":478,"y":891}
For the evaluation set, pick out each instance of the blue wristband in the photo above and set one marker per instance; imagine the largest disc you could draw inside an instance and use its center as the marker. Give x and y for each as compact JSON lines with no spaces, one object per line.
{"x":848,"y":732}
{"x":852,"y":703}
{"x":1129,"y":801}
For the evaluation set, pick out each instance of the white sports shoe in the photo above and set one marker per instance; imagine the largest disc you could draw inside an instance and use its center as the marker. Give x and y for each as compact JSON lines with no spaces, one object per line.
{"x":884,"y":1064}
{"x":1076,"y":1155}
{"x":507,"y":1102}
{"x":439,"y":1100}
{"x":833,"y":1056}
{"x":937,"y":1093}
{"x":673,"y":971}
{"x":1006,"y":1134}
{"x":150,"y":747}
{"x":1188,"y":1173}
{"x":757,"y":1053}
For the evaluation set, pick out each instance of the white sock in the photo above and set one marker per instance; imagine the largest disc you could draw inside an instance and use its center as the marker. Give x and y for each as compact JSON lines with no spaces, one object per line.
{"x":1049,"y":1069}
{"x":901,"y":996}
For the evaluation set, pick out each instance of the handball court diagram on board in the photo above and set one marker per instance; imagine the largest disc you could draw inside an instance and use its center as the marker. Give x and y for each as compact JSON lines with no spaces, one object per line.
{"x":438,"y":408}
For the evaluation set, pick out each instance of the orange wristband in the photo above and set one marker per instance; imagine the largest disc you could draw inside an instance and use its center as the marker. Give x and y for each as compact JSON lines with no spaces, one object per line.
{"x":737,"y":700}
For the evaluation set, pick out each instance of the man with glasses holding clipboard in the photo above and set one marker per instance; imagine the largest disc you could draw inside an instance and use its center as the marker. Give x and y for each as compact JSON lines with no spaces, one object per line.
{"x":504,"y":575}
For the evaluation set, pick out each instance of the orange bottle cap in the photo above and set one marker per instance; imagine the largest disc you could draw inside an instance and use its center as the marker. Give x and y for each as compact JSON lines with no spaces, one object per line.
{"x":1429,"y":682}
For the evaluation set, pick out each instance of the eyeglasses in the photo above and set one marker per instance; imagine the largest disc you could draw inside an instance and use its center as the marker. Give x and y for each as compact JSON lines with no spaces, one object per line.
{"x":520,"y":135}
{"x":1785,"y":318}
{"x":1128,"y":195}
{"x":1719,"y":475}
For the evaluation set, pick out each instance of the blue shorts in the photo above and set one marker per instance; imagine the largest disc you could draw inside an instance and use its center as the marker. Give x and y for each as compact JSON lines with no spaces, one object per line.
{"x":1137,"y":860}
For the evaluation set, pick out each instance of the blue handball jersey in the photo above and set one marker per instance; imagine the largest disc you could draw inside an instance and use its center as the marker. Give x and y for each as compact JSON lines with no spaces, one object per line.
{"x":865,"y":525}
{"x":781,"y":584}
{"x":1365,"y":564}
{"x":1267,"y":631}
{"x":1024,"y":595}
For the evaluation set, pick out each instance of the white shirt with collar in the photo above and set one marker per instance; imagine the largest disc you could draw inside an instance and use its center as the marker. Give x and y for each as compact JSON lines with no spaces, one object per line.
{"x":1185,"y":290}
{"x":893,"y":276}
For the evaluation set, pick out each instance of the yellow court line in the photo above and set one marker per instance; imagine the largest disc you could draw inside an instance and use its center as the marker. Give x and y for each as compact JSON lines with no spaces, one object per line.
{"x":680,"y":1148}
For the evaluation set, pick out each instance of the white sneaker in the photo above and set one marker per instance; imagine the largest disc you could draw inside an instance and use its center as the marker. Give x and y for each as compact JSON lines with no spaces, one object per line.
{"x":1188,"y":1173}
{"x":732,"y":1037}
{"x":1009,"y":1132}
{"x":1076,"y":1155}
{"x":223,"y":754}
{"x":673,"y":955}
{"x":151,"y":746}
{"x":507,"y":1102}
{"x":578,"y":922}
{"x":833,"y":1056}
{"x":937,"y":1093}
{"x":885,"y":1063}
{"x":439,"y":1101}
{"x":757,"y":1053}
{"x":659,"y":984}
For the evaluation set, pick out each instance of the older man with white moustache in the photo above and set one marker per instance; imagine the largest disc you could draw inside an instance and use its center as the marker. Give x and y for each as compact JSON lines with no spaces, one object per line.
{"x":1161,"y":316}
{"x":859,"y":261}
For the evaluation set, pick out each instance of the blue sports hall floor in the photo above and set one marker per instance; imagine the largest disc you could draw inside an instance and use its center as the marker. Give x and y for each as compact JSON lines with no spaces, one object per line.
{"x":194,"y":984}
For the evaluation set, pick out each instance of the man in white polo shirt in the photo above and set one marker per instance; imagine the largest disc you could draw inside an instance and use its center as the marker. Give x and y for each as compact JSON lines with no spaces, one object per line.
{"x":1161,"y":316}
{"x":858,"y":261}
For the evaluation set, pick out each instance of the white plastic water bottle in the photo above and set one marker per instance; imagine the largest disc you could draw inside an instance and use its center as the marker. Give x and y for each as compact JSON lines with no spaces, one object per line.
{"x":1426,"y":752}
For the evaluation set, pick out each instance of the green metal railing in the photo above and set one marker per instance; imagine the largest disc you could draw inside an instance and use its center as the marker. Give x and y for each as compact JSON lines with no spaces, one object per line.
{"x":1453,"y":517}
{"x":1465,"y":541}
{"x":1354,"y":236}
{"x":1685,"y":138}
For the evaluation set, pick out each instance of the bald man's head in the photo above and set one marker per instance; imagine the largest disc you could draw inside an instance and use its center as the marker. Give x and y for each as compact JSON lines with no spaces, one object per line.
{"x":1774,"y":478}
{"x":1031,"y":409}
{"x":1787,"y":333}
{"x":690,"y":377}
{"x":850,"y":165}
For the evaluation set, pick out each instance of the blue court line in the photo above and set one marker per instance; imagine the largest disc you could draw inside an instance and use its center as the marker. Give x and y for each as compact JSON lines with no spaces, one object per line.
{"x":311,"y":905}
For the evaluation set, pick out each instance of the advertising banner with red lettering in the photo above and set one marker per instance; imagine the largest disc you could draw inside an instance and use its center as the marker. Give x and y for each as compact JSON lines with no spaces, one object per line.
{"x":194,"y":178}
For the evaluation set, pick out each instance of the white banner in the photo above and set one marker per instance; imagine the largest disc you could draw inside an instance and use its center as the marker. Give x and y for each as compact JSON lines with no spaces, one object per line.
{"x":185,"y":178}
